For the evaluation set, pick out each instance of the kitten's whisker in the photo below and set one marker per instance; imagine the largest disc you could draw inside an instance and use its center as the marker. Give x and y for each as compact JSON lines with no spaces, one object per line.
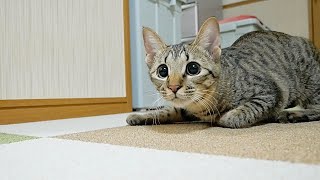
{"x":209,"y":106}
{"x":208,"y":101}
{"x":206,"y":106}
{"x":153,"y":94}
{"x":212,"y":97}
{"x":211,"y":111}
{"x":158,"y":117}
{"x":156,"y":113}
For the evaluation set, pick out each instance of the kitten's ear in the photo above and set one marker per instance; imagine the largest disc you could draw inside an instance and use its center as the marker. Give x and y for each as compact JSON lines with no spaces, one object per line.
{"x":152,"y":44}
{"x":209,"y":37}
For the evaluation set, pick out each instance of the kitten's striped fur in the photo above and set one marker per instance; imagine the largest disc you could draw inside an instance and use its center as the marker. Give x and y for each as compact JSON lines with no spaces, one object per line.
{"x":262,"y":76}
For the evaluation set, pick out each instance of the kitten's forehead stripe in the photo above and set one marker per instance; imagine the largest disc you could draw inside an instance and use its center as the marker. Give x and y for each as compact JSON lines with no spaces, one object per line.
{"x":177,"y":50}
{"x":182,"y":50}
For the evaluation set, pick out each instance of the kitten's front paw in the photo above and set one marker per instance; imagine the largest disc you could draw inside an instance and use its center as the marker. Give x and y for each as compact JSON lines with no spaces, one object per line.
{"x":233,"y":119}
{"x":136,"y":119}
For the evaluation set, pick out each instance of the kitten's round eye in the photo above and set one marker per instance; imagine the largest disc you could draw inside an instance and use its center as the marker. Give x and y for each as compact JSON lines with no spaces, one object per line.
{"x":162,"y":71}
{"x":193,"y":68}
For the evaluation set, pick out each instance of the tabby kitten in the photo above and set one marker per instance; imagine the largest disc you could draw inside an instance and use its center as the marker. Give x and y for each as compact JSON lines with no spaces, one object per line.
{"x":264,"y":75}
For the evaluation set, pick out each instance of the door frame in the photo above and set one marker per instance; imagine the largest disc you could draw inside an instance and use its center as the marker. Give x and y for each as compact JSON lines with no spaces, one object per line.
{"x":28,"y":110}
{"x":314,"y":21}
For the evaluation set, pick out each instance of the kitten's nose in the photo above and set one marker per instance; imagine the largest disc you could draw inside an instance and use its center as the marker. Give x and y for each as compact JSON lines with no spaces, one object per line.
{"x":174,"y":88}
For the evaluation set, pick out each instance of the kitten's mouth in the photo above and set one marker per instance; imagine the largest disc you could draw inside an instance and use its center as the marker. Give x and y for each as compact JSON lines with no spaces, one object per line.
{"x":179,"y":101}
{"x":175,"y":98}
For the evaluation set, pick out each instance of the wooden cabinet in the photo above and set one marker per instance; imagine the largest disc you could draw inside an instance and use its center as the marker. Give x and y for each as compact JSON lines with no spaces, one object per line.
{"x":62,"y":59}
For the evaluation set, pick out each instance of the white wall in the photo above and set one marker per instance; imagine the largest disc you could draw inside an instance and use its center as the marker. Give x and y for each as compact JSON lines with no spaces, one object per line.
{"x":61,"y":49}
{"x":289,"y":16}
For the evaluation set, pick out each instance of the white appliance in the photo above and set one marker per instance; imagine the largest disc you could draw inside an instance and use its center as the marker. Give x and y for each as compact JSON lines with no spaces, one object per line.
{"x":195,"y":13}
{"x":163,"y":16}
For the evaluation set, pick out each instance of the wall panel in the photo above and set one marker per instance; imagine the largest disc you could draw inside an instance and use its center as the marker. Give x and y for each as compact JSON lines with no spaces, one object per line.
{"x":61,"y":49}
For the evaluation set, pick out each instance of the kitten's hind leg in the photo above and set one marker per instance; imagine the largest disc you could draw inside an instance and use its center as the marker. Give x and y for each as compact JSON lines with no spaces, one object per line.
{"x":249,"y":113}
{"x":163,"y":116}
{"x":311,"y":112}
{"x":298,"y":114}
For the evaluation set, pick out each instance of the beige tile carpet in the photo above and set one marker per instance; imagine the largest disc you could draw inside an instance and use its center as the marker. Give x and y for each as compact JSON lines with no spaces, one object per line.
{"x":298,"y":142}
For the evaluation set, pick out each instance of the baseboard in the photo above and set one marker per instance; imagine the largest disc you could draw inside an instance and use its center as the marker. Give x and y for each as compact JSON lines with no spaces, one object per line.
{"x":21,"y":111}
